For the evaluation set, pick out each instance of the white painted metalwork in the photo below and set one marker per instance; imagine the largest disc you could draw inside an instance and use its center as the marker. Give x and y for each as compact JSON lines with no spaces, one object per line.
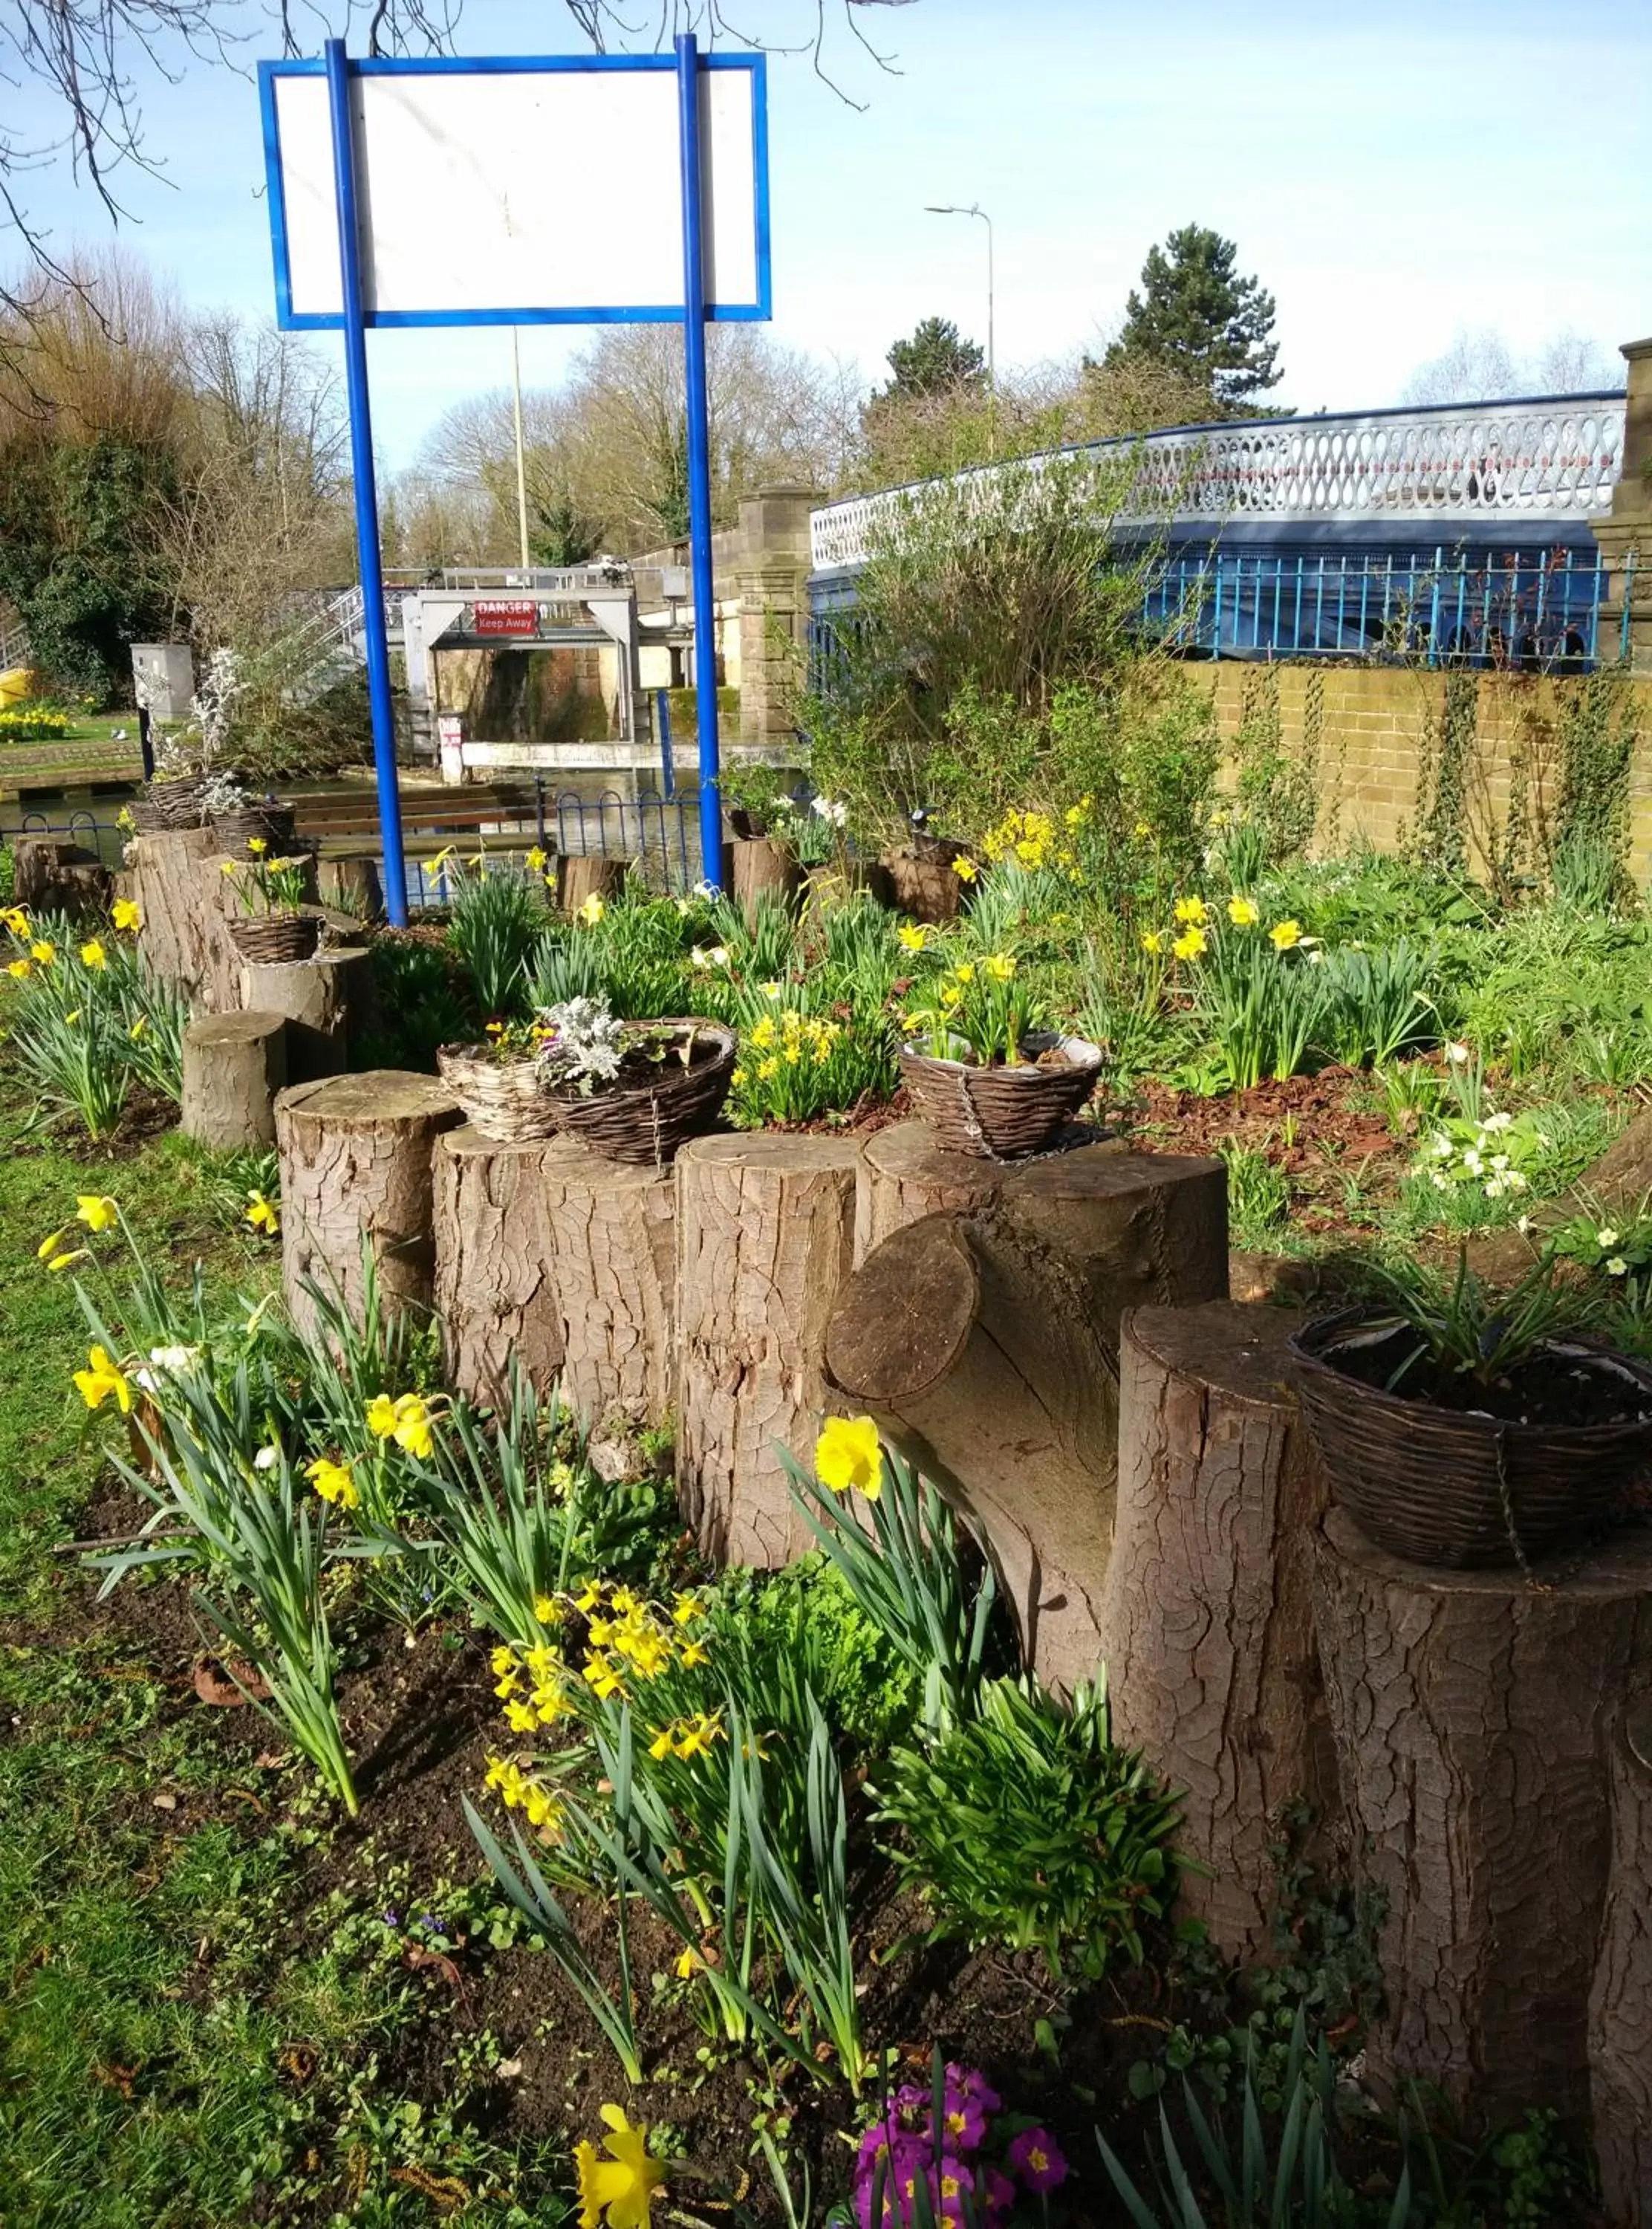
{"x":1558,"y":456}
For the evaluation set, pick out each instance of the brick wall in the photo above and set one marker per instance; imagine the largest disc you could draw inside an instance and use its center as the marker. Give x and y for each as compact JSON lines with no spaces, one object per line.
{"x":1377,"y":727}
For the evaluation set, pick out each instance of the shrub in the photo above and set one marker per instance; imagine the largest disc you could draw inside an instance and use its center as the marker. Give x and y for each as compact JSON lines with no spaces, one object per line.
{"x":33,"y":723}
{"x":498,"y":919}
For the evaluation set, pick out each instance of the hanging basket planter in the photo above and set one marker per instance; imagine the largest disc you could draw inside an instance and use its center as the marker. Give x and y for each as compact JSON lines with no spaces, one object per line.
{"x":504,"y":1099}
{"x":271,"y":825}
{"x":657,"y":1104}
{"x":273,"y":938}
{"x":1457,"y":1486}
{"x":999,"y":1114}
{"x":160,"y":806}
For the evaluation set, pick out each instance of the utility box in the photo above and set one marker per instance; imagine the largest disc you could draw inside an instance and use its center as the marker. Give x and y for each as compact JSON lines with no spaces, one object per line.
{"x":163,"y":678}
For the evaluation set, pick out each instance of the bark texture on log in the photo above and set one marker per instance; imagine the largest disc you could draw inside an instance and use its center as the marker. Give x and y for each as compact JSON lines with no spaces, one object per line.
{"x":349,"y":883}
{"x":322,"y":1000}
{"x":582,"y":875}
{"x":1475,"y":1715}
{"x":1620,"y":2004}
{"x":234,"y":1065}
{"x":766,"y":1235}
{"x":496,"y":1290}
{"x":986,"y":1344}
{"x":902,"y":1177}
{"x":923,"y":884}
{"x":1207,"y":1623}
{"x":51,"y":876}
{"x":183,"y":939}
{"x":761,"y":866}
{"x":356,"y":1166}
{"x":612,"y":1234}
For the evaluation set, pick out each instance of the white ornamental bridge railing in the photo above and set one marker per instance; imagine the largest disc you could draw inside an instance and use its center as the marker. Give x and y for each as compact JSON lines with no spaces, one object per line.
{"x":1477,"y":462}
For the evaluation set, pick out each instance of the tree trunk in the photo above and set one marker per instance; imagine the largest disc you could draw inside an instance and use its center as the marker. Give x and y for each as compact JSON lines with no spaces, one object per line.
{"x":495,"y":1292}
{"x":183,"y":939}
{"x":903,"y":1178}
{"x":349,"y":883}
{"x":234,"y":1065}
{"x":1474,"y":1714}
{"x":50,"y":876}
{"x":925,"y":883}
{"x":321,"y":999}
{"x":986,"y":1344}
{"x":1207,"y":1624}
{"x":761,"y":865}
{"x":355,"y":1172}
{"x":1620,"y":2005}
{"x":582,"y":875}
{"x":612,"y":1238}
{"x":767,"y":1235}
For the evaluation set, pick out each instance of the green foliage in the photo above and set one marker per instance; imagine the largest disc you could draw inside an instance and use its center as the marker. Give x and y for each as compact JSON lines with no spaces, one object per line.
{"x":422,"y":998}
{"x":1598,"y":727}
{"x":1026,"y":1827}
{"x":1276,"y":790}
{"x":1196,"y":315}
{"x":1258,"y":1195}
{"x":1462,"y":1327}
{"x":85,"y":1031}
{"x":33,"y":723}
{"x":807,"y":1615}
{"x":935,"y":360}
{"x":1445,"y":757}
{"x":499,"y":916}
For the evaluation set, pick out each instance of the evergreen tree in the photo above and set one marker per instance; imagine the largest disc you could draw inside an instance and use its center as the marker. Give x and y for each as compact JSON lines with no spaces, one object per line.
{"x":936,"y":359}
{"x":1196,"y":317}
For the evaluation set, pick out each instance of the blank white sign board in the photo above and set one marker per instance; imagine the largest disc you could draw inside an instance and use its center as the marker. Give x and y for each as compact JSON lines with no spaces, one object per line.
{"x":518,"y":192}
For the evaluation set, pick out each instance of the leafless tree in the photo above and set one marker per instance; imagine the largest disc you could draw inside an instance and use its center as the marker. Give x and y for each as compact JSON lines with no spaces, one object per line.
{"x":1481,"y":367}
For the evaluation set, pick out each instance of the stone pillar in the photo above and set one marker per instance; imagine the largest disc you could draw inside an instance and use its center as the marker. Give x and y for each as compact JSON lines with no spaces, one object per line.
{"x":772,"y":575}
{"x":1625,"y":531}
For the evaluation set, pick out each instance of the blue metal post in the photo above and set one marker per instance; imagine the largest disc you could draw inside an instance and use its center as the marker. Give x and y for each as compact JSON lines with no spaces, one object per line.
{"x":367,"y":495}
{"x":694,"y":350}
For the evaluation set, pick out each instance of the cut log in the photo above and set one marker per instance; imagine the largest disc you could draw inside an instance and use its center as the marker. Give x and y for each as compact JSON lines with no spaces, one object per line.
{"x":183,"y":939}
{"x":1206,"y":1622}
{"x":903,"y":1177}
{"x":766,"y":1232}
{"x":986,"y":1345}
{"x":349,"y":883}
{"x":50,"y":876}
{"x":760,"y":867}
{"x":1620,"y":2005}
{"x":356,"y":1171}
{"x":925,"y":883}
{"x":583,"y":875}
{"x":612,"y":1238}
{"x":234,"y":1065}
{"x":495,"y":1292}
{"x":1474,"y":1714}
{"x":322,"y":1000}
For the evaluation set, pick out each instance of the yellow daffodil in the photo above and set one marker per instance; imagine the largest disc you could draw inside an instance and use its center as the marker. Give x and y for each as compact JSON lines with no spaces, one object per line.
{"x":42,"y":952}
{"x":21,"y":969}
{"x":1191,"y":912}
{"x":686,"y":1608}
{"x":913,"y":937}
{"x":126,"y":915}
{"x":49,"y":1244}
{"x":139,"y":1026}
{"x":412,"y":1430}
{"x":1144,"y":828}
{"x":1242,"y":913}
{"x":622,"y":2185}
{"x":333,"y":1481}
{"x":258,"y":845}
{"x":92,"y":954}
{"x":1152,"y":941}
{"x":101,"y":1377}
{"x":697,"y":1735}
{"x":601,"y":1675}
{"x":850,"y":1454}
{"x":662,"y":1744}
{"x":16,"y":920}
{"x":542,"y":1808}
{"x":1284,"y":933}
{"x":687,"y":1963}
{"x":263,"y":1214}
{"x":692,"y":1653}
{"x":520,"y":1719}
{"x":1190,"y":944}
{"x":965,"y":868}
{"x":999,"y":965}
{"x":96,"y":1210}
{"x":551,"y":1702}
{"x":546,"y":1610}
{"x":67,"y":1260}
{"x":381,"y":1415}
{"x":590,"y":1595}
{"x":592,"y":911}
{"x":964,"y":971}
{"x":535,"y":862}
{"x":502,"y":1659}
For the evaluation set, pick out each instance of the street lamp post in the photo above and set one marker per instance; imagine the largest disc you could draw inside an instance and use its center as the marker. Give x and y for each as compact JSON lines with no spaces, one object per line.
{"x":956,"y":208}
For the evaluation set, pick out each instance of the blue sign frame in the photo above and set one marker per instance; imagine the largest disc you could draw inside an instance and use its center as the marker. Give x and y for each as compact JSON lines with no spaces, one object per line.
{"x":354,"y":321}
{"x":657,"y":313}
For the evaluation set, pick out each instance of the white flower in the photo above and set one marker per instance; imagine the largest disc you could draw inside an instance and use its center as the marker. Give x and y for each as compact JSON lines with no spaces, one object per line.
{"x":1440,"y":1181}
{"x":719,"y":955}
{"x":1617,"y":1267}
{"x":1499,"y":1162}
{"x":1493,"y":1123}
{"x":1315,"y":958}
{"x":700,"y":958}
{"x":147,"y":1379}
{"x":1457,"y":1054}
{"x":703,"y":889}
{"x":1517,"y":1181}
{"x":1525,"y":1222}
{"x":1440,"y":1146}
{"x":266,"y":1459}
{"x":773,"y":990}
{"x":174,"y":1357}
{"x":1473,"y":1163}
{"x":1494,"y":1187}
{"x":1605,"y":1240}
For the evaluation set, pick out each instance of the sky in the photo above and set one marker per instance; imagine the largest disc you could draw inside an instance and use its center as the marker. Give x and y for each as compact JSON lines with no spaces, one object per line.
{"x":1393,"y":172}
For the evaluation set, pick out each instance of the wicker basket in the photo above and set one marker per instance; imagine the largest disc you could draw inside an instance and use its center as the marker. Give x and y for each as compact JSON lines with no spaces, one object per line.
{"x":272,"y":825}
{"x":647,"y":1122}
{"x":997,"y":1114}
{"x":1438,"y":1485}
{"x":165,"y":805}
{"x":272,"y":938}
{"x":505,"y":1100}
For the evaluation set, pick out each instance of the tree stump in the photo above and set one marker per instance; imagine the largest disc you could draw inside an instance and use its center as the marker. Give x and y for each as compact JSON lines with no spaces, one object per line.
{"x":924,"y":883}
{"x":986,"y":1345}
{"x":1620,"y":2004}
{"x":612,"y":1240}
{"x":49,"y":876}
{"x":356,"y":1171}
{"x":1474,"y":1714}
{"x":496,"y":1293}
{"x":234,"y":1065}
{"x":322,"y":1001}
{"x":760,"y":866}
{"x":349,"y":883}
{"x":766,"y":1235}
{"x":583,"y":875}
{"x":184,"y":940}
{"x":1206,"y":1620}
{"x":903,"y":1177}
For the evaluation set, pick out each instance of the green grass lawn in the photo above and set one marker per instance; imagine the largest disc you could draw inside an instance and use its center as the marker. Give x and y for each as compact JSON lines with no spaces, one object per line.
{"x":89,"y":747}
